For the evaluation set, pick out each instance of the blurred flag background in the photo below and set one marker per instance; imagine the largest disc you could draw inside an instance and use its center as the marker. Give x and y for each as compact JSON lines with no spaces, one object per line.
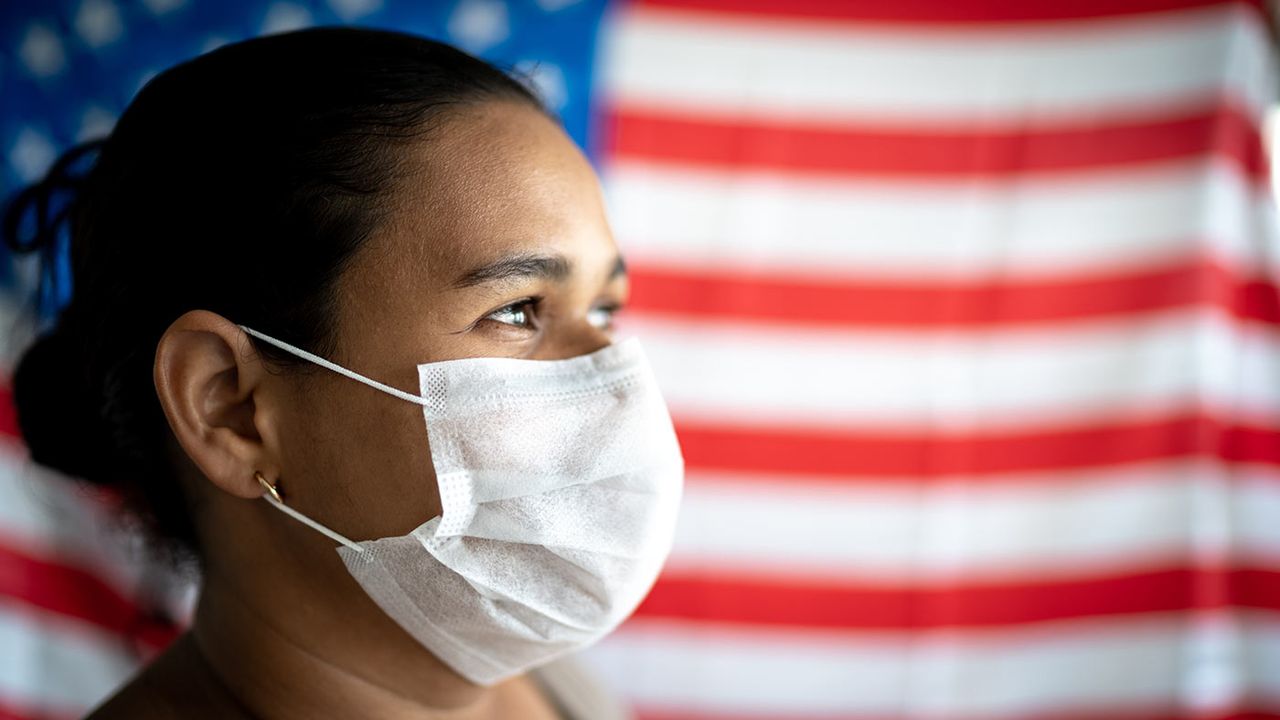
{"x":967,"y":313}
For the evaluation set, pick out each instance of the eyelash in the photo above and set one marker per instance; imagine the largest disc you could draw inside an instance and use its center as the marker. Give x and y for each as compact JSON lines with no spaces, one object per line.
{"x":531,"y":303}
{"x":530,"y":306}
{"x":612,"y":311}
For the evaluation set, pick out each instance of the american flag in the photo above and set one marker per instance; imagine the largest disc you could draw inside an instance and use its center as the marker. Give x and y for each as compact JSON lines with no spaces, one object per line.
{"x":967,"y":316}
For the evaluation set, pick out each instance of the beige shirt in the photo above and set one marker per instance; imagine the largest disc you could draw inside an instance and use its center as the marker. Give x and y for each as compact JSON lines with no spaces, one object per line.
{"x":576,"y":694}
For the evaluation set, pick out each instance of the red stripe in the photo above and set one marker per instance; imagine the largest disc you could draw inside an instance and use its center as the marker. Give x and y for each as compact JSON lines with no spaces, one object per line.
{"x":65,"y":590}
{"x":946,"y":12}
{"x":846,"y":455}
{"x":8,"y":413}
{"x":9,"y":710}
{"x":852,"y":149}
{"x":713,"y":597}
{"x":759,"y":297}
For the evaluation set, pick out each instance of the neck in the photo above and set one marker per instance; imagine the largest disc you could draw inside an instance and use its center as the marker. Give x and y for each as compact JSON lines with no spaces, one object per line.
{"x":297,"y":663}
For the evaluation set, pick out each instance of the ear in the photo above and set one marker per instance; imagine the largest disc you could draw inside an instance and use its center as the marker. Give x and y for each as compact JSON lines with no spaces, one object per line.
{"x":215,"y":393}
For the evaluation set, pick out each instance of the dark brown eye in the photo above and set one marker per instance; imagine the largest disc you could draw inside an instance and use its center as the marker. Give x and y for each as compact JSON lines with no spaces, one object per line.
{"x":517,"y":314}
{"x":602,"y":317}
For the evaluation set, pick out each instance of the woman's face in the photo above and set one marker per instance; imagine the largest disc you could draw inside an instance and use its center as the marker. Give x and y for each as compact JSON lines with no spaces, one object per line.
{"x":498,"y":246}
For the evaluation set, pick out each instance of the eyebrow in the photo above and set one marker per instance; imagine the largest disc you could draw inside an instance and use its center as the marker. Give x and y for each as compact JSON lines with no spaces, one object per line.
{"x":520,"y":267}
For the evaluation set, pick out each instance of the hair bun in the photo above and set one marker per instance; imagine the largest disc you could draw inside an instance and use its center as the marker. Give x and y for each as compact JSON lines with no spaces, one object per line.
{"x":57,"y":420}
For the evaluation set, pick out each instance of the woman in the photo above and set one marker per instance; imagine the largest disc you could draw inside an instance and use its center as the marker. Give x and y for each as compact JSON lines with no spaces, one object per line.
{"x":275,"y":219}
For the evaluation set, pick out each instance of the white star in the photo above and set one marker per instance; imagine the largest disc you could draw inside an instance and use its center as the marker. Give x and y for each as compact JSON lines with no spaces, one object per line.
{"x":31,"y":155}
{"x":213,"y":42}
{"x":284,"y":16}
{"x":96,"y":122}
{"x":478,"y":25}
{"x":349,"y":10}
{"x":547,"y":79}
{"x":41,"y":51}
{"x":98,"y":22}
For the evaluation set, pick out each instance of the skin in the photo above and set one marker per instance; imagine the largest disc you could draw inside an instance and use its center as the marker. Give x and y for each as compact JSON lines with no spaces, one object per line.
{"x":281,"y":629}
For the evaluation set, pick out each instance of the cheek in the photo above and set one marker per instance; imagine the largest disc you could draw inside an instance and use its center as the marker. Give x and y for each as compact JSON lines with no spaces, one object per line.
{"x":368,"y":467}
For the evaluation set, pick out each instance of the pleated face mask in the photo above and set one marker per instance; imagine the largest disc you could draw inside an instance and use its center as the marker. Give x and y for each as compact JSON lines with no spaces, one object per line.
{"x":560,"y":482}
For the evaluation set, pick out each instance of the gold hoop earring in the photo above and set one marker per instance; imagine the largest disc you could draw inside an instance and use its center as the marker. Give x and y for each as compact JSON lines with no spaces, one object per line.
{"x":268,"y":485}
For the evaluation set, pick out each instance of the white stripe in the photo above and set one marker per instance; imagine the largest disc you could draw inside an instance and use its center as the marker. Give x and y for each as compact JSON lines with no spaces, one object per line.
{"x":967,"y":380}
{"x":1041,"y":527}
{"x":838,"y":71}
{"x":51,"y":516}
{"x":1103,"y":221}
{"x":59,"y":666}
{"x":1078,"y":665}
{"x":1254,"y":510}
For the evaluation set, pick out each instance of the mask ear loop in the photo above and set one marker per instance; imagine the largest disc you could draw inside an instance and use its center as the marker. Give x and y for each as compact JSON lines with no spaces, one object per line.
{"x":273,"y":496}
{"x":416,"y":399}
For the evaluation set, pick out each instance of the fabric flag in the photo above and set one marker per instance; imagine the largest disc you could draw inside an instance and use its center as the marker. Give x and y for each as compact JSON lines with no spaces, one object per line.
{"x":966,"y":313}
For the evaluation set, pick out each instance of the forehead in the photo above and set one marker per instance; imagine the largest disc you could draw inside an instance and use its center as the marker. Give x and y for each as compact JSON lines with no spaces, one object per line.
{"x":491,"y":180}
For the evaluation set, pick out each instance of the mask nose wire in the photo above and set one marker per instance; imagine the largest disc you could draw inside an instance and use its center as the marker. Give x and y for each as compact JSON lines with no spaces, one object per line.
{"x":416,"y":399}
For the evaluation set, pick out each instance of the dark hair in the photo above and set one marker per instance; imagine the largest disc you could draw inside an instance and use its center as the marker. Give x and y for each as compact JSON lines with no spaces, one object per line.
{"x":239,"y":182}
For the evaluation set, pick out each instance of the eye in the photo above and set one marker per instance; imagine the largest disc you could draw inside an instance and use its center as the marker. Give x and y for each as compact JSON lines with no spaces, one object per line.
{"x":517,"y":314}
{"x":602,"y":316}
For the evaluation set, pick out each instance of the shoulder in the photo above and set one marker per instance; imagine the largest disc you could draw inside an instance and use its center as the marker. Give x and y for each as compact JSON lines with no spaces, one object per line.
{"x":135,"y":700}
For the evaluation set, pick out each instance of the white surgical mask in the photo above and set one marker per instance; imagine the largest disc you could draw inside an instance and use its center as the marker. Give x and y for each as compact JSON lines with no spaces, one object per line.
{"x":560,"y":482}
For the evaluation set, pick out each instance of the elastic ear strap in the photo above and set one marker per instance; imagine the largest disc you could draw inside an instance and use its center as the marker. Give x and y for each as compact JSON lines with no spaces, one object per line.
{"x":311,"y":523}
{"x":416,"y":399}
